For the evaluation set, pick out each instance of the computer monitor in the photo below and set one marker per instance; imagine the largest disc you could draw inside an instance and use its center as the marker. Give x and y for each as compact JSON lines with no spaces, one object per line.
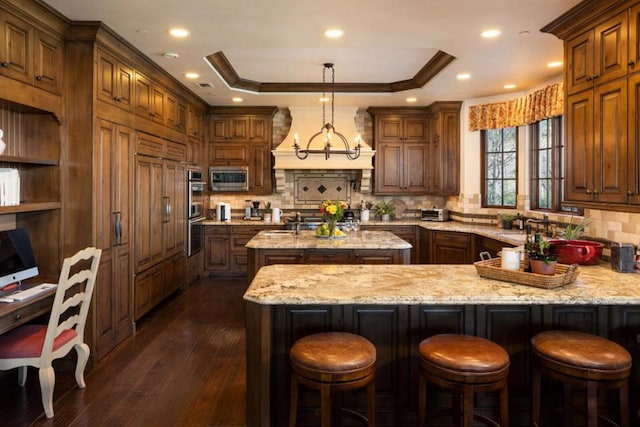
{"x":17,"y":261}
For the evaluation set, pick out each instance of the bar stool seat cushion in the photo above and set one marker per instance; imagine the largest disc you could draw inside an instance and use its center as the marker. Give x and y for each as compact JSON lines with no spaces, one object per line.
{"x":326,"y":356}
{"x":463,"y":358}
{"x":582,"y":355}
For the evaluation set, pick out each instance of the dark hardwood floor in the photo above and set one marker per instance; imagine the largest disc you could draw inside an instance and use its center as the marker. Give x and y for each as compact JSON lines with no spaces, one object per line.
{"x":185,"y":366}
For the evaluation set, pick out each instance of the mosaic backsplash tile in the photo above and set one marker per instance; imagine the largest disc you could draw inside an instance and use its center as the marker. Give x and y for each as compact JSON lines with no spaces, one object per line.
{"x":313,"y":188}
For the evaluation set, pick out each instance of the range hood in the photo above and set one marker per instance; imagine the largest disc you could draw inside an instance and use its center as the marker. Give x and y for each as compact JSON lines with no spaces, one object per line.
{"x":306,"y":121}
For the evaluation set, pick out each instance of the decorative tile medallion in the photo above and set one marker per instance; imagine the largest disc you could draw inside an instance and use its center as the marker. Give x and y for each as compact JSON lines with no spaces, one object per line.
{"x":314,"y":188}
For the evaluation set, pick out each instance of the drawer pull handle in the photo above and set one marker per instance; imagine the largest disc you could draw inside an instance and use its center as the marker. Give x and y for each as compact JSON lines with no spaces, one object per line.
{"x":18,"y":316}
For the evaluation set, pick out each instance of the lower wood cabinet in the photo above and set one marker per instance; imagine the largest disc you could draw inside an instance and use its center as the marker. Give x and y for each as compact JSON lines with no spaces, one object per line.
{"x":408,"y":233}
{"x":396,"y":332}
{"x":487,"y":244}
{"x":448,"y":247}
{"x":158,"y":282}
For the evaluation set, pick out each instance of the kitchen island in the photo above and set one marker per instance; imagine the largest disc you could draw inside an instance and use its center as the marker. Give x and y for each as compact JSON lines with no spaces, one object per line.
{"x":396,"y":306}
{"x":305,"y":247}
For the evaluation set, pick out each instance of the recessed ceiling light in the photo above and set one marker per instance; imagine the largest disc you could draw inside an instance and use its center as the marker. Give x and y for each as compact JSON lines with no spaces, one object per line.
{"x":179,"y":32}
{"x":510,"y":86}
{"x":191,"y":75}
{"x":333,"y":33}
{"x":489,"y":34}
{"x":325,"y":99}
{"x":554,"y":64}
{"x":171,"y":55}
{"x":236,"y":99}
{"x":463,"y":76}
{"x":412,"y":99}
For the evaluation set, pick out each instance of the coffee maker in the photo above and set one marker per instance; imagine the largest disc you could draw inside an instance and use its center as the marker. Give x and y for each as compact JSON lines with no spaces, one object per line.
{"x":255,"y":211}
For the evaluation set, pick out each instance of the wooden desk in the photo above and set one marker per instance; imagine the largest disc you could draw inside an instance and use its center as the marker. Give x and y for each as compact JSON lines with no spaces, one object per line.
{"x":13,"y":314}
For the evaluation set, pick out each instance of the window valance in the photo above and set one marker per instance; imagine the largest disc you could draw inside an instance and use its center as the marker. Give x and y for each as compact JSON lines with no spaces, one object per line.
{"x":538,"y":105}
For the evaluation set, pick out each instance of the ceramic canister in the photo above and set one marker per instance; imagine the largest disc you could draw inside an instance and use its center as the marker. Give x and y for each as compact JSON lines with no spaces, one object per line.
{"x":510,"y":259}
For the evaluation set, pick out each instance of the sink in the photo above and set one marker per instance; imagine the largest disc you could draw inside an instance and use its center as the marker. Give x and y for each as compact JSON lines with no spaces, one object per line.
{"x":279,"y":233}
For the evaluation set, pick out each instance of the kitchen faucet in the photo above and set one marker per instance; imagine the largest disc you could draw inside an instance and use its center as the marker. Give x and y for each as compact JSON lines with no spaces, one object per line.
{"x":544,"y":221}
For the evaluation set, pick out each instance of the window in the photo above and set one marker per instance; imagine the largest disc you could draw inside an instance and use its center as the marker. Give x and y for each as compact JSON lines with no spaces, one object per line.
{"x":500,"y":167}
{"x":547,"y":172}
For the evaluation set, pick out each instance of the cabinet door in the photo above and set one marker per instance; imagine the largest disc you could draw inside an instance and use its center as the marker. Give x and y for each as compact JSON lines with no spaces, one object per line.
{"x":16,"y":55}
{"x":217,"y":129}
{"x":260,"y":168}
{"x":174,"y":223}
{"x":633,"y":157}
{"x":389,"y":129}
{"x":634,"y":39}
{"x":376,"y":256}
{"x":610,"y":142}
{"x":389,"y":168}
{"x":611,"y":49}
{"x":145,"y":288}
{"x":149,"y":211}
{"x":216,"y":252}
{"x":158,"y":113}
{"x":327,"y":256}
{"x":259,"y":130}
{"x":229,"y":153}
{"x":415,"y":171}
{"x":48,"y":62}
{"x":415,"y":129}
{"x":579,"y":147}
{"x":449,"y":154}
{"x":451,"y":248}
{"x":144,"y":97}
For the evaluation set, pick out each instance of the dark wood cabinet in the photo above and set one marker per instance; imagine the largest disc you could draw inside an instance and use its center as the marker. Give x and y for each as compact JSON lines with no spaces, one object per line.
{"x":400,"y":140}
{"x":113,"y":170}
{"x":242,"y":137}
{"x":448,"y":247}
{"x":114,"y":81}
{"x":405,"y":232}
{"x":596,"y":129}
{"x":597,"y":56}
{"x":216,"y":249}
{"x":16,"y":48}
{"x":48,"y":59}
{"x":443,"y":154}
{"x":602,"y":49}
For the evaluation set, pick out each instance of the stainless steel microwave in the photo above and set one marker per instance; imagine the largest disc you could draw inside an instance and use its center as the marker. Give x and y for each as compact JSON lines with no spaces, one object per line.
{"x":229,"y":178}
{"x":434,"y":214}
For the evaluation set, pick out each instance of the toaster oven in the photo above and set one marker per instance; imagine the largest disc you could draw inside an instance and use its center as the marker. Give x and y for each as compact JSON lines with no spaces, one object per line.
{"x":434,"y":214}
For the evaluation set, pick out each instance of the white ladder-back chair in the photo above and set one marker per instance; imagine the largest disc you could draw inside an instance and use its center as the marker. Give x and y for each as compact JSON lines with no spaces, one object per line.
{"x":40,"y":345}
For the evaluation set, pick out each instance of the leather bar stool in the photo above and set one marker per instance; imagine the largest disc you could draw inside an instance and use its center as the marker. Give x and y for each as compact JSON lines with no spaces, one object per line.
{"x":585,"y":360}
{"x":332,"y":361}
{"x":465,"y":365}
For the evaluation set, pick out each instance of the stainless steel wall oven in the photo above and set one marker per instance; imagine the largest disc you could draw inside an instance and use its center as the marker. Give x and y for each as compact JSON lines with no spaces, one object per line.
{"x":195,"y":206}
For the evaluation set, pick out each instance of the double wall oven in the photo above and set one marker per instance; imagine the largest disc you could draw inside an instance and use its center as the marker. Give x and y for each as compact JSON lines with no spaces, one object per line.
{"x":195,"y":206}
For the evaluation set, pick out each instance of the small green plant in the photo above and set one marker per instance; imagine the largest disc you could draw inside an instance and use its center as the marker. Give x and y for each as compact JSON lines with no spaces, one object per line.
{"x":542,"y":250}
{"x":574,"y":232}
{"x":267,"y":207}
{"x":508,"y":216}
{"x":365,"y":205}
{"x":383,"y":207}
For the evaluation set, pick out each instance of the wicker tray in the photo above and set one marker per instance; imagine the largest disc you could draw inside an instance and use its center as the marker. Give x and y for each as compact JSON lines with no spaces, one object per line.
{"x":491,"y":269}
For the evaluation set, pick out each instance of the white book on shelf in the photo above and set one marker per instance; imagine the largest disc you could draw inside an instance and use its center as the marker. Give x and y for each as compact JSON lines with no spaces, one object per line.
{"x":9,"y":187}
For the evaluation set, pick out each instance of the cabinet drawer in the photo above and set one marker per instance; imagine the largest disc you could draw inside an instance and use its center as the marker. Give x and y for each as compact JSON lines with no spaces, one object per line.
{"x":176,"y":151}
{"x":327,"y":256}
{"x":451,"y":238}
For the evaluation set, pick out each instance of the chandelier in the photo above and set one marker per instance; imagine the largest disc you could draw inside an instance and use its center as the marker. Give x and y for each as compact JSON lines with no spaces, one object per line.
{"x":328,"y":132}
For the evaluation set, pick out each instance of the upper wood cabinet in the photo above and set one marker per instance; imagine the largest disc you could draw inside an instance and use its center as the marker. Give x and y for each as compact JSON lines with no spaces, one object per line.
{"x":30,"y":55}
{"x":444,"y":149}
{"x":242,"y":136}
{"x":176,"y":112}
{"x":598,"y":55}
{"x":401,"y":143}
{"x":150,"y":99}
{"x":602,"y":50}
{"x":417,"y":149}
{"x":114,"y":81}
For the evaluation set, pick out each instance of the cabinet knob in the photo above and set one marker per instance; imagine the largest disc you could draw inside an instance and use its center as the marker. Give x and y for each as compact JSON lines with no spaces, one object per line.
{"x":631,"y":64}
{"x":5,"y":64}
{"x":39,"y":78}
{"x":596,"y":192}
{"x":588,"y":191}
{"x":588,"y":78}
{"x":18,"y":316}
{"x":595,"y":76}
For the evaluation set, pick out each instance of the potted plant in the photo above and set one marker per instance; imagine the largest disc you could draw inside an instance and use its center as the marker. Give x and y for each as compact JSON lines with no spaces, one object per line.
{"x":542,"y":257}
{"x":507,"y":220}
{"x":385,"y":209}
{"x":573,"y":250}
{"x":365,"y":210}
{"x":267,"y":211}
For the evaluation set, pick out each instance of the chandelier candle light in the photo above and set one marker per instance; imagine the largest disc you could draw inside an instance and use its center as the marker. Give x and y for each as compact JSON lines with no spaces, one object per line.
{"x":328,"y":129}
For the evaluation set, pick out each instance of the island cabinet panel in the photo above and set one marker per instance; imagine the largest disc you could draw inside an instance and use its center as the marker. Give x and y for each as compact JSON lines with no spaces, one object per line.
{"x":327,"y":256}
{"x":590,"y":319}
{"x":625,"y":330}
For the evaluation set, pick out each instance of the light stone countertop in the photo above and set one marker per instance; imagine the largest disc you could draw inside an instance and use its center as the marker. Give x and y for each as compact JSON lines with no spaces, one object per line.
{"x":308,"y":240}
{"x":430,"y":284}
{"x":515,"y":237}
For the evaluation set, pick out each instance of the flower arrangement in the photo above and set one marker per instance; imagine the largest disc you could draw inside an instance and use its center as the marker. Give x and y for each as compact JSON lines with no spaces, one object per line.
{"x":332,"y":212}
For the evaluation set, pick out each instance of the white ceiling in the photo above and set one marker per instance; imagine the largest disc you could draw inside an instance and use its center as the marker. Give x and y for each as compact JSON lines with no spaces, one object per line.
{"x":384,"y":41}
